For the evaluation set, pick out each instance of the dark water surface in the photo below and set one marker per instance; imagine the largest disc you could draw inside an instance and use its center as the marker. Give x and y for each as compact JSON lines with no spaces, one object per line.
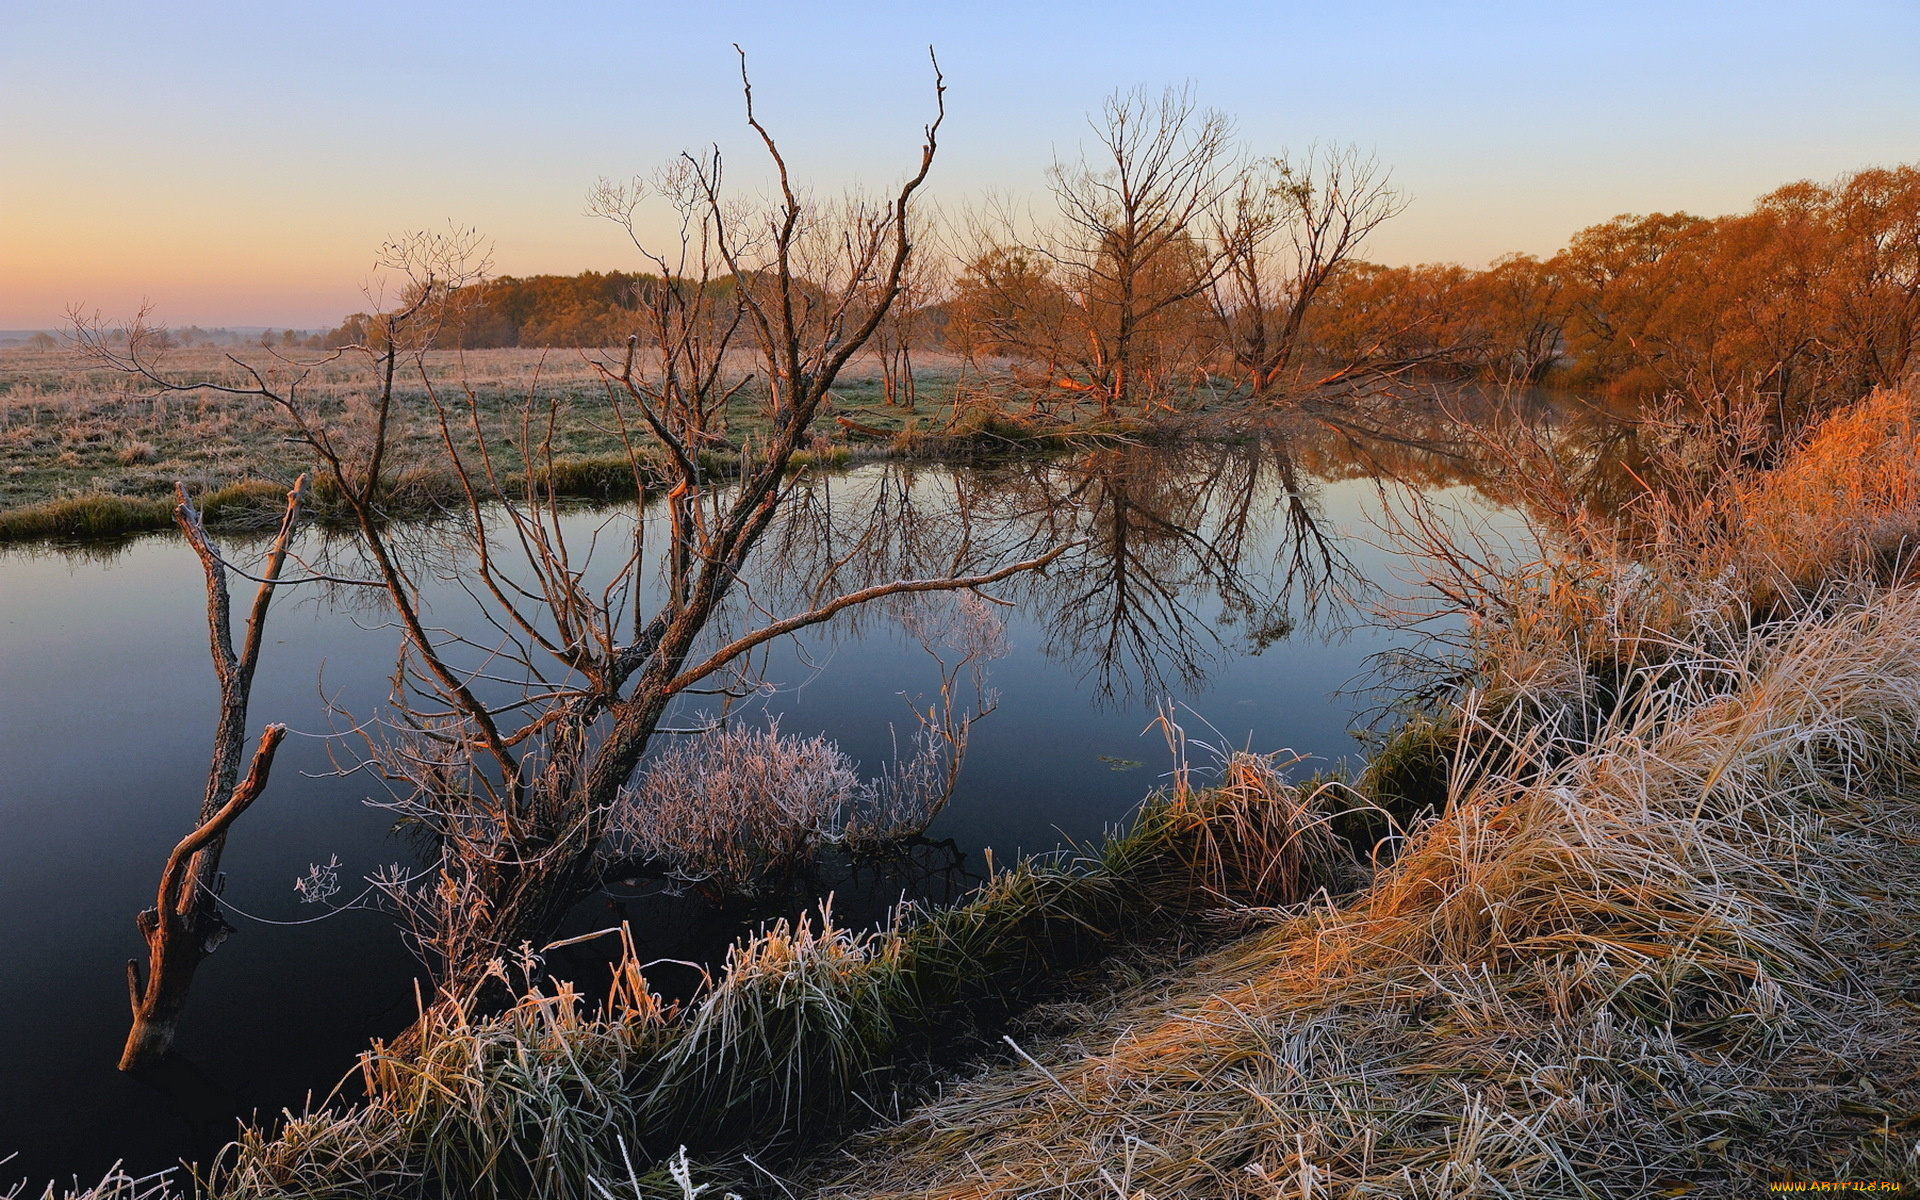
{"x":1207,"y":578}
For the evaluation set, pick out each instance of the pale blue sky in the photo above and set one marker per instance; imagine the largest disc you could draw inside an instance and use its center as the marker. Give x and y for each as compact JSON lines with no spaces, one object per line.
{"x":240,"y":163}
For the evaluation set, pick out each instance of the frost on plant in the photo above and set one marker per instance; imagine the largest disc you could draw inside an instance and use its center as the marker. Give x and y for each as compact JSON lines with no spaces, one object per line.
{"x":734,"y":804}
{"x":321,"y":883}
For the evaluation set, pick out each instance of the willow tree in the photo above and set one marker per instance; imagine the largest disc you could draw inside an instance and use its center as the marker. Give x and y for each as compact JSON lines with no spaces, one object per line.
{"x":1284,"y":232}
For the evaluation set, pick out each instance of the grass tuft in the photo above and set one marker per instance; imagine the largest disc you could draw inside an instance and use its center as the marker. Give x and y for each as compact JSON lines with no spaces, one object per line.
{"x":85,"y":517}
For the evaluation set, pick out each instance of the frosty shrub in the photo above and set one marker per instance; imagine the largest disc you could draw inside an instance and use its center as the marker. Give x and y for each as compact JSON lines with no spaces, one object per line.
{"x":734,"y":804}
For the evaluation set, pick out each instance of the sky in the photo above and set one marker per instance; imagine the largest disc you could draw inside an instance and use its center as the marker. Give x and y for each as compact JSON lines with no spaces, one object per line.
{"x":240,"y":164}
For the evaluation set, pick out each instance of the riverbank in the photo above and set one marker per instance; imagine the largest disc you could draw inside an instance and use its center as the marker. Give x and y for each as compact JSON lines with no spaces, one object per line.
{"x":1677,"y":961}
{"x":1657,"y":939}
{"x":86,"y":454}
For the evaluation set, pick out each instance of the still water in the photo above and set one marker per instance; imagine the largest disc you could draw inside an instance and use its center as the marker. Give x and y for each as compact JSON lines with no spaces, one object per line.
{"x":1233,"y":581}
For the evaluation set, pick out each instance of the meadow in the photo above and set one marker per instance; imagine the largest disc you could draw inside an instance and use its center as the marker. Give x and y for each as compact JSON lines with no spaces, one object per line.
{"x":87,"y":453}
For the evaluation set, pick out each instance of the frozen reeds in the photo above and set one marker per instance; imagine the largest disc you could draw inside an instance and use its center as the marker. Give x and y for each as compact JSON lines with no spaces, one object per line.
{"x":734,"y":804}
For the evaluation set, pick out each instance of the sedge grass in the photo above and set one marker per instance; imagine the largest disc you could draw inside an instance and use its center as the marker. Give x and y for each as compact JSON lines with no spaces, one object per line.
{"x":1675,"y":956}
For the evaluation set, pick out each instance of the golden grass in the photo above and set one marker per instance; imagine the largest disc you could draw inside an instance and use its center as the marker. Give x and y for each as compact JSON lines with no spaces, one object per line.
{"x":1678,"y":957}
{"x":1848,"y":499}
{"x":1660,"y":941}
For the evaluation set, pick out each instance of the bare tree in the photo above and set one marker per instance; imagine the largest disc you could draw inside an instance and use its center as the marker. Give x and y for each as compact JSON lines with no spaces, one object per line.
{"x":908,"y":326}
{"x":1129,"y":248}
{"x":510,"y":748}
{"x":185,"y":925}
{"x":1283,"y":232}
{"x":688,"y":321}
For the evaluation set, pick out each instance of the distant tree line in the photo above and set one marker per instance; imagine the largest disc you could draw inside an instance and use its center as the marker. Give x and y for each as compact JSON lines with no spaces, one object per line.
{"x":1172,"y":262}
{"x":592,"y":308}
{"x":1810,"y":297}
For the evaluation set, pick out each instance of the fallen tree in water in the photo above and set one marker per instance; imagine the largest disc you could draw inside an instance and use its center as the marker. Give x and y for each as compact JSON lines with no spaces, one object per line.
{"x":185,"y":924}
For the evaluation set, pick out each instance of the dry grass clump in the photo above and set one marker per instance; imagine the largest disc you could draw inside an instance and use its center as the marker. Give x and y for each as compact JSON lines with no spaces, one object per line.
{"x":734,"y":809}
{"x":1679,"y":955}
{"x":116,"y":1184}
{"x":1549,"y":643}
{"x":84,"y":517}
{"x":1248,"y":839}
{"x":533,"y":1101}
{"x":1848,"y":499}
{"x":801,"y":1022}
{"x":598,"y":477}
{"x":1658,"y":941}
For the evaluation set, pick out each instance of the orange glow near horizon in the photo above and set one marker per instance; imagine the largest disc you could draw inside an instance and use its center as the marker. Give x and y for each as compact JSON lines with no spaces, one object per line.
{"x":243,"y":167}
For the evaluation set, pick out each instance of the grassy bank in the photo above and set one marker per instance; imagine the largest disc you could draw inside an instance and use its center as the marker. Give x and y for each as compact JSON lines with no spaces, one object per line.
{"x":806,"y":1027}
{"x":1659,"y":941}
{"x":84,"y":457}
{"x":252,"y":504}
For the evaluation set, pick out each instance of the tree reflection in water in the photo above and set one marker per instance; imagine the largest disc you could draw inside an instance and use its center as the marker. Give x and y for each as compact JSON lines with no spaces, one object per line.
{"x":1161,"y":572}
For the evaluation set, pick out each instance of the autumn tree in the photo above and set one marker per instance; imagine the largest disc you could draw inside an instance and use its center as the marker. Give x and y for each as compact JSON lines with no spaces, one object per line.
{"x":1381,"y":322}
{"x":1872,"y":309}
{"x":1128,"y":248}
{"x":1522,"y":307}
{"x":1283,"y":232}
{"x":1007,"y":304}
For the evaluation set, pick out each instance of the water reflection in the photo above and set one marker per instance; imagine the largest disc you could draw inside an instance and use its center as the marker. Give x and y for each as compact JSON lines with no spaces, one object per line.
{"x":1224,"y":574}
{"x":1180,"y":553}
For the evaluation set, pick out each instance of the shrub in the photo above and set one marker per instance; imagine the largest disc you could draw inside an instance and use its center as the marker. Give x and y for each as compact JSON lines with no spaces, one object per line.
{"x":734,"y":805}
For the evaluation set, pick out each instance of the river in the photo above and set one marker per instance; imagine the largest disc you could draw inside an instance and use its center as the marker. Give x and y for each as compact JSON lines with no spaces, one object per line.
{"x":1235,"y":582}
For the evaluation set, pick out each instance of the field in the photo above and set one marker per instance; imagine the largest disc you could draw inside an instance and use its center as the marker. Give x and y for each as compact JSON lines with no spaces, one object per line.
{"x":70,"y":432}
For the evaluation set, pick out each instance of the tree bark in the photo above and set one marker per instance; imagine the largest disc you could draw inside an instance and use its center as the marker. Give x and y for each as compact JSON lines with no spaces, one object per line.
{"x":183,"y":926}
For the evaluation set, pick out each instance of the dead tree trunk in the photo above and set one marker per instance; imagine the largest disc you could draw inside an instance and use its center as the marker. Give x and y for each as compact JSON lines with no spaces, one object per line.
{"x":185,"y":926}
